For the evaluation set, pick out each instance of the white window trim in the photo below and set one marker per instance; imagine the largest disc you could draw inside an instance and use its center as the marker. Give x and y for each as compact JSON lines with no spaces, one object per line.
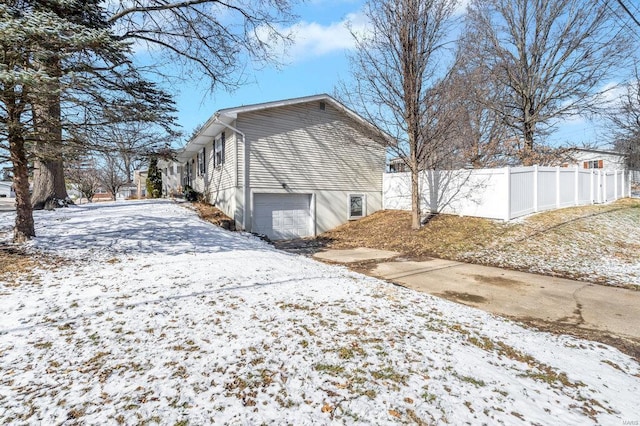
{"x":201,"y":166}
{"x":218,"y":148}
{"x":364,"y":206}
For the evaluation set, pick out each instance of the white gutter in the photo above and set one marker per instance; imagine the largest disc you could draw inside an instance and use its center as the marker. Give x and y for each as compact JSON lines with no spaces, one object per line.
{"x":245,"y":181}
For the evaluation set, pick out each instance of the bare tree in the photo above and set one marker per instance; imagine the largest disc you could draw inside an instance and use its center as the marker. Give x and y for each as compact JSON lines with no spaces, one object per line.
{"x":479,"y":135}
{"x":550,"y":56}
{"x":396,"y":68}
{"x":85,"y":178}
{"x":211,"y":40}
{"x":133,"y":142}
{"x":624,"y":123}
{"x":111,"y":175}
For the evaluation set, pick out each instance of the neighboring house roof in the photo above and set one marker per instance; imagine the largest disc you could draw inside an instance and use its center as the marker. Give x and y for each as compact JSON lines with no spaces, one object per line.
{"x":223,"y":118}
{"x":598,"y":151}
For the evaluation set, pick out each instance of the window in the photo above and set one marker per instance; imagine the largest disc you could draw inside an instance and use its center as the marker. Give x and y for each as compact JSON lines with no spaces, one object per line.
{"x":593,"y":164}
{"x":218,"y":158}
{"x":357,"y":206}
{"x":187,"y":175}
{"x":202,"y":164}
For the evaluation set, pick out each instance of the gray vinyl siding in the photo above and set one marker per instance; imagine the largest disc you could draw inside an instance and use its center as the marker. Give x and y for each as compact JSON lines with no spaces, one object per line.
{"x":217,"y":181}
{"x":307,"y":148}
{"x":222,"y":177}
{"x":238,"y":153}
{"x":332,"y":207}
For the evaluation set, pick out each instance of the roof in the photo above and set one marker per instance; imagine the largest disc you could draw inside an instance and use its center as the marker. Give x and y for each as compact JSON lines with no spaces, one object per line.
{"x":598,"y":151}
{"x":224,"y":117}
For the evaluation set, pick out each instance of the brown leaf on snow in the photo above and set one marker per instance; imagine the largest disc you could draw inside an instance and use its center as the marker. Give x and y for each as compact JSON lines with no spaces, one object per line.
{"x":326,"y":408}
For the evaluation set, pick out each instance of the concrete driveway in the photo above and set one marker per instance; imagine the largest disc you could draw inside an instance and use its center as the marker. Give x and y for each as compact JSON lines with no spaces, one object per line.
{"x":518,"y":295}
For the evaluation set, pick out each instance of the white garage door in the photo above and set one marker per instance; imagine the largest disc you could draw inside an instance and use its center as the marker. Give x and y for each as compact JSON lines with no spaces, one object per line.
{"x":282,"y":216}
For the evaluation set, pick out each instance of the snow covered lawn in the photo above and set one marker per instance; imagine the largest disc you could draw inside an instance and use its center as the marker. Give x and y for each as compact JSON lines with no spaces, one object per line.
{"x":598,"y":243}
{"x":159,"y":317}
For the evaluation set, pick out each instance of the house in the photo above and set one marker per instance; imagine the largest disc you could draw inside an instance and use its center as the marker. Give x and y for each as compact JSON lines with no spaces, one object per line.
{"x":398,"y":165}
{"x":139,"y":183}
{"x":285,"y":169}
{"x":587,"y":158}
{"x":6,"y":189}
{"x":606,"y":160}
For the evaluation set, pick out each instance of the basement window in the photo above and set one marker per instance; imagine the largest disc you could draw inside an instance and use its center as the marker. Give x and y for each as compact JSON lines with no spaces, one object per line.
{"x":357,"y":206}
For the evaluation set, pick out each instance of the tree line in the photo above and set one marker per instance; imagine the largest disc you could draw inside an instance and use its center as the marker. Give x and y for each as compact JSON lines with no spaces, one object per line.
{"x":489,"y":86}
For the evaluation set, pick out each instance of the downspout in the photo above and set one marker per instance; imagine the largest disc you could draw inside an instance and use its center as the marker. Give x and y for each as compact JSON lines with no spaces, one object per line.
{"x":245,"y":180}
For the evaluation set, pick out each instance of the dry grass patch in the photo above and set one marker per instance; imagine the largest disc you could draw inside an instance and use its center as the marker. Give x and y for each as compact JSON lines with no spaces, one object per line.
{"x":214,"y":215}
{"x":442,"y":236}
{"x":17,"y":266}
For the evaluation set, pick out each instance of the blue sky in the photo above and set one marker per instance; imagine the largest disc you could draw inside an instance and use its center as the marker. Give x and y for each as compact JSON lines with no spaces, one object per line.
{"x":316,"y":63}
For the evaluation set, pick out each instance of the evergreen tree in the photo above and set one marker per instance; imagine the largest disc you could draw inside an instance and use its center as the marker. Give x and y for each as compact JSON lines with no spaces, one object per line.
{"x":62,"y":67}
{"x":154,"y":179}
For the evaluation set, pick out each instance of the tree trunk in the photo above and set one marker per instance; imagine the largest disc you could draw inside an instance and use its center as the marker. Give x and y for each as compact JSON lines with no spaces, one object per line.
{"x":49,"y":190}
{"x":528,"y":129}
{"x":415,"y":189}
{"x":415,"y":200}
{"x":14,"y":107}
{"x":24,"y":228}
{"x":527,"y":151}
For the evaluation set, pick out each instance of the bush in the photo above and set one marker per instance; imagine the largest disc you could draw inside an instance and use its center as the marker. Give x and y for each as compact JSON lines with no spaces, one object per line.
{"x":191,"y":194}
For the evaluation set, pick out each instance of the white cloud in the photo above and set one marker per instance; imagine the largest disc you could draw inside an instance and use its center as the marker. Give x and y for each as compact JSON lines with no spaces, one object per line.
{"x":311,"y":39}
{"x":461,"y":7}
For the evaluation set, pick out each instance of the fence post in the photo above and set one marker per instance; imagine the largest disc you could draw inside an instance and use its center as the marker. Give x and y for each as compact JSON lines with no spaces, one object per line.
{"x":535,"y":188}
{"x":615,"y":185}
{"x":625,"y":183}
{"x":507,"y":174}
{"x":577,"y":186}
{"x":557,"y":187}
{"x":603,"y":185}
{"x":591,"y":186}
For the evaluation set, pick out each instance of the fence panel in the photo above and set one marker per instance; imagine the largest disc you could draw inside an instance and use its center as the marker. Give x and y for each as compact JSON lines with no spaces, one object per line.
{"x":547,"y":193}
{"x":521,"y":191}
{"x":621,"y":185}
{"x":611,"y":181}
{"x":503,"y":193}
{"x":584,"y":187}
{"x":567,"y":187}
{"x":396,"y":191}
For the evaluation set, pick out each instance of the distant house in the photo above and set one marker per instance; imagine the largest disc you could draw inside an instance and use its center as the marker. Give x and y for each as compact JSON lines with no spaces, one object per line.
{"x":6,"y":189}
{"x":586,"y":158}
{"x":397,"y":165}
{"x":285,"y":169}
{"x":602,"y":159}
{"x":140,"y":183}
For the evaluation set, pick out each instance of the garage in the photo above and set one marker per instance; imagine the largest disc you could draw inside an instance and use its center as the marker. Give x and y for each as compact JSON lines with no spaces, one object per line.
{"x":282,"y":216}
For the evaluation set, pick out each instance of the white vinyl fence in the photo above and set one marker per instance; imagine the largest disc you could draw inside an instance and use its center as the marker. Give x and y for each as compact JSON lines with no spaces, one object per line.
{"x":505,"y":193}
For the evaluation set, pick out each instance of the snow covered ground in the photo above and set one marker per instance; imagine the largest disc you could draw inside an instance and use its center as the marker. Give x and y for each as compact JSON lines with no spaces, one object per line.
{"x":603,"y":248}
{"x":159,"y":317}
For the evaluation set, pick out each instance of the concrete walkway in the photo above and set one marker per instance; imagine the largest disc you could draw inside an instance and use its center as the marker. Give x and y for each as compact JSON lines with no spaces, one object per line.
{"x":514,"y":294}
